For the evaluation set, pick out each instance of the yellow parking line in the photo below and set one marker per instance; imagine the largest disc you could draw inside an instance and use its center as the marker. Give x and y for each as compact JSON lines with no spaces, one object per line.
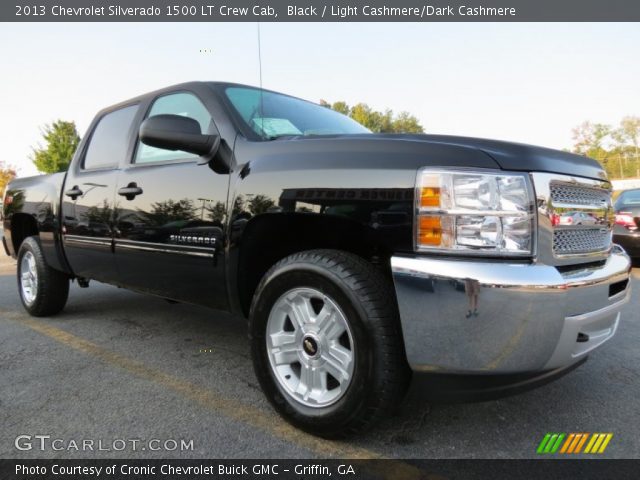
{"x":511,"y":345}
{"x":217,"y":402}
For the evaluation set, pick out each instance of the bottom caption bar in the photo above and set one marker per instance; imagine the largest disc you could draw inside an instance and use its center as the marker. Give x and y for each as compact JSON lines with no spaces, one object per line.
{"x":308,"y":469}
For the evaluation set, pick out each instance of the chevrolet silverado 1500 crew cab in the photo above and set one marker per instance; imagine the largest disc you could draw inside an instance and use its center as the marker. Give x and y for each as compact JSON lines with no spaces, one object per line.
{"x":356,"y":257}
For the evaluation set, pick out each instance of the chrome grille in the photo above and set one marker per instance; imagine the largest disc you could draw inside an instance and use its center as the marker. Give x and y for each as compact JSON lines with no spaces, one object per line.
{"x":587,"y":235}
{"x":568,"y":198}
{"x":585,"y":240}
{"x":562,"y":193}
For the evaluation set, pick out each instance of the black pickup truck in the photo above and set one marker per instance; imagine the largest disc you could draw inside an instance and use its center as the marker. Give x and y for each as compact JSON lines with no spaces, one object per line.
{"x":357,"y":257}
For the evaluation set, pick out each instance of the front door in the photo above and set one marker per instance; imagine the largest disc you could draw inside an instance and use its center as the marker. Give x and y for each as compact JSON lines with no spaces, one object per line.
{"x":88,"y":208}
{"x":170,"y":231}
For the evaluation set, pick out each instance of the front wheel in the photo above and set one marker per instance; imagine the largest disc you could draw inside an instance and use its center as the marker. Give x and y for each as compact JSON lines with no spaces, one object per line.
{"x":43,"y":290}
{"x":326,"y":342}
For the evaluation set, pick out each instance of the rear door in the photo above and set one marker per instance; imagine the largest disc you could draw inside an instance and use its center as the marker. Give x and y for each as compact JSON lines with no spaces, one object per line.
{"x":88,"y":207}
{"x":170,"y":230}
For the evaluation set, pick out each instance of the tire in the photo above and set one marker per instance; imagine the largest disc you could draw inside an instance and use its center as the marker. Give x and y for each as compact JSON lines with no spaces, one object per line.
{"x":43,"y":290}
{"x":338,"y":291}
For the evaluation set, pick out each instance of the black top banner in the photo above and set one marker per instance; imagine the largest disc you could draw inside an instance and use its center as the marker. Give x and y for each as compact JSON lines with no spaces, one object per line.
{"x":319,"y":11}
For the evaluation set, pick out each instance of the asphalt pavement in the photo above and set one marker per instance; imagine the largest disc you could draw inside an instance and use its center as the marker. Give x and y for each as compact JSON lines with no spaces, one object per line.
{"x":171,"y":380}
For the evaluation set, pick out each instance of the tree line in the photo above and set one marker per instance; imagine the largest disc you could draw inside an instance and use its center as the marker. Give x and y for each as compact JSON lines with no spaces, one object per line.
{"x":377,"y":121}
{"x":617,"y":148}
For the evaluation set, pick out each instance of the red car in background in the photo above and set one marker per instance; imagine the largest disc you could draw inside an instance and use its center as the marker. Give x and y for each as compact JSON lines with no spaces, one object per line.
{"x":626,"y":231}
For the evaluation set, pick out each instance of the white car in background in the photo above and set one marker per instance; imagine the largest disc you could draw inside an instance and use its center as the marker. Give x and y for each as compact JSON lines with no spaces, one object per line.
{"x":577,"y":218}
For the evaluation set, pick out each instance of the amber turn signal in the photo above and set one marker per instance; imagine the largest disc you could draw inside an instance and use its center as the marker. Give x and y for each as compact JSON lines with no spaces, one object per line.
{"x":430,"y":231}
{"x":430,"y":197}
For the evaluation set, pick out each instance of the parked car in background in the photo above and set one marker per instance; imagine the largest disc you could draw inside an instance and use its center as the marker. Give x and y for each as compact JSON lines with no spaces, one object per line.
{"x":577,"y":218}
{"x":626,"y":231}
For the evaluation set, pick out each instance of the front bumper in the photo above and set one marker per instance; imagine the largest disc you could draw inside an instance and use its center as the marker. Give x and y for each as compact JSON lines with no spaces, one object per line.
{"x":530,"y":317}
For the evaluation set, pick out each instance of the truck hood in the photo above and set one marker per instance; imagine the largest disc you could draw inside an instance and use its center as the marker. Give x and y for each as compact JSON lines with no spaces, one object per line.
{"x":523,"y":157}
{"x":507,"y":155}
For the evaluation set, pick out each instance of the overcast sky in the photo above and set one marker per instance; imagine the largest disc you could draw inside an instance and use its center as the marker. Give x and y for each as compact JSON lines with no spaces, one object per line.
{"x":530,"y":83}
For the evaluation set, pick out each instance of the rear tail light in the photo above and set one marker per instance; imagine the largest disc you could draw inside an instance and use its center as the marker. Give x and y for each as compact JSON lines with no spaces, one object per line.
{"x":625,"y":219}
{"x":569,"y":220}
{"x":555,"y":219}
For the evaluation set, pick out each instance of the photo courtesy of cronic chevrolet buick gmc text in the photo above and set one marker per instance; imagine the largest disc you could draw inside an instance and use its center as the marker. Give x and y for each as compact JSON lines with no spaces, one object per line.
{"x":357,"y":257}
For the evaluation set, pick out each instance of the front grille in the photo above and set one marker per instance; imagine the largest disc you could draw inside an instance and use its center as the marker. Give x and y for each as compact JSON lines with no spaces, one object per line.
{"x":569,"y":194}
{"x":584,"y":240}
{"x":575,"y":218}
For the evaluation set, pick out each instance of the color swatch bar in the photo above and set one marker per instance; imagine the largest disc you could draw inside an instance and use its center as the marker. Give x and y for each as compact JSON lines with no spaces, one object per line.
{"x":573,"y":443}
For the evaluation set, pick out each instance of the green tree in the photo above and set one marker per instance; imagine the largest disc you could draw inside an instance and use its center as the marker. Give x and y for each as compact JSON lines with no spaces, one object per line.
{"x":7,"y":173}
{"x":629,"y":133}
{"x":341,"y":107}
{"x":617,"y":149}
{"x":627,"y":138}
{"x":404,"y":122}
{"x":61,"y":140}
{"x":217,"y":212}
{"x":588,"y":138}
{"x":260,"y":204}
{"x":376,"y":121}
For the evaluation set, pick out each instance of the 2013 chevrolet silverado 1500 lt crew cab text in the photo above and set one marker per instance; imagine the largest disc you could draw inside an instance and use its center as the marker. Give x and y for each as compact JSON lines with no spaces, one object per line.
{"x":357,"y":257}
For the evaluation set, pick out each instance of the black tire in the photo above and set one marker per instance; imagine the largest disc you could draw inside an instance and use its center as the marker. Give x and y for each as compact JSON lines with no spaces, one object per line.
{"x":381,"y":374}
{"x":52,"y":285}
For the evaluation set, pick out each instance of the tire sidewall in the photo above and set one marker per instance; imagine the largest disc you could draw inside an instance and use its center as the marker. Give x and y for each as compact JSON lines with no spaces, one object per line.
{"x":31,"y":245}
{"x":304,"y":274}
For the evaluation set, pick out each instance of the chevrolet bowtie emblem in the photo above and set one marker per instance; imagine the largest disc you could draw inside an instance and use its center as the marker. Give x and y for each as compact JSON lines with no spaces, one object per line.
{"x":310,"y":347}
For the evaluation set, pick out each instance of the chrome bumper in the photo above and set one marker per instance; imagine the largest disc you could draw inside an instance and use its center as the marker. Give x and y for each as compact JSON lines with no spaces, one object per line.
{"x":529,"y":317}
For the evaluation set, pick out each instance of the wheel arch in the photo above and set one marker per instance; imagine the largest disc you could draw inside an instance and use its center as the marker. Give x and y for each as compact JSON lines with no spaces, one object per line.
{"x":268,"y":238}
{"x":23,"y":225}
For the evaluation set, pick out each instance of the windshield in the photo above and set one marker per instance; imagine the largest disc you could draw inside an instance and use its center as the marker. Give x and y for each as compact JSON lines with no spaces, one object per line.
{"x":272,"y":115}
{"x":629,"y":198}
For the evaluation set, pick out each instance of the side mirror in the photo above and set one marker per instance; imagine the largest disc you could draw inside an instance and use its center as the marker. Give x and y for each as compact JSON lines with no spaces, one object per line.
{"x":175,"y":132}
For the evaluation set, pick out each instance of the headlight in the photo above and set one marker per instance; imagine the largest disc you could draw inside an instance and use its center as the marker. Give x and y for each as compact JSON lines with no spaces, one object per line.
{"x":474,"y":212}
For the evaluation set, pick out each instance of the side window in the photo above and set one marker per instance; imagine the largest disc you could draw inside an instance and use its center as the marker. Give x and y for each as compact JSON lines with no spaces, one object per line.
{"x":185,"y":104}
{"x":109,"y":139}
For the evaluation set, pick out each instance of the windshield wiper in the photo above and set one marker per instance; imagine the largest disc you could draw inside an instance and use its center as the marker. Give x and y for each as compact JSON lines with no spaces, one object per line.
{"x":279,"y":137}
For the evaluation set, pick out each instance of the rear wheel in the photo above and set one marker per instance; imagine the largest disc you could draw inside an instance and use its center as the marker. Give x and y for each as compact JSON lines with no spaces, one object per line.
{"x":326,"y":342}
{"x":43,"y":290}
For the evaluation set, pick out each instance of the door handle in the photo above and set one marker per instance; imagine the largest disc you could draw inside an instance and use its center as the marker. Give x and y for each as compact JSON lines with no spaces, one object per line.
{"x":74,"y":193}
{"x":130,"y":191}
